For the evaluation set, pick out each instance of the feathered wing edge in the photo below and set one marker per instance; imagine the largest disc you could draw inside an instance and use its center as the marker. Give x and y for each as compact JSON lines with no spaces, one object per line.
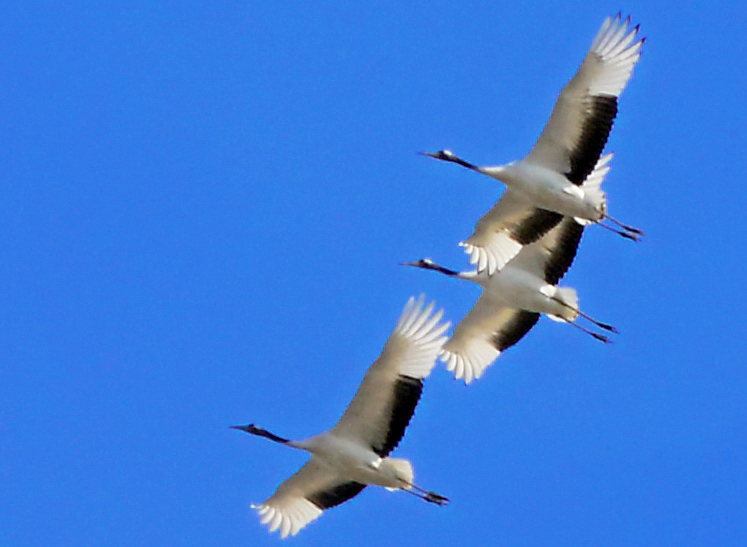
{"x":424,"y":337}
{"x":504,"y":230}
{"x":408,"y":356}
{"x":575,"y":135}
{"x":303,"y":497}
{"x":484,"y":333}
{"x":386,"y":398}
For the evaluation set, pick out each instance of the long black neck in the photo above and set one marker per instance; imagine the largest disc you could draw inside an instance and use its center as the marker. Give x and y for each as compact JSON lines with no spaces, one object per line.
{"x":254,"y":430}
{"x":447,"y":155}
{"x":436,"y":267}
{"x":463,"y":163}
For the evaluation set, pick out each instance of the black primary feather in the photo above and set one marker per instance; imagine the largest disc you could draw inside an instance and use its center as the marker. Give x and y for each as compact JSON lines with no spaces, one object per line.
{"x":335,"y":496}
{"x":515,"y":329}
{"x":594,"y":134}
{"x":534,"y":226}
{"x":562,"y":256}
{"x":407,"y":391}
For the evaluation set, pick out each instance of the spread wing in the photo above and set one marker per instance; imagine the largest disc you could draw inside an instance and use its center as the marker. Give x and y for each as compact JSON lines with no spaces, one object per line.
{"x":501,"y":233}
{"x":559,"y":247}
{"x":303,"y":497}
{"x":386,"y":399}
{"x":488,"y":329}
{"x":579,"y":126}
{"x":552,"y":256}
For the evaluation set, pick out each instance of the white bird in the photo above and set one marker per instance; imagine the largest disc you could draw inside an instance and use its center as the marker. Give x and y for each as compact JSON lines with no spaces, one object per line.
{"x":549,"y":183}
{"x":513,"y":299}
{"x":354,"y":453}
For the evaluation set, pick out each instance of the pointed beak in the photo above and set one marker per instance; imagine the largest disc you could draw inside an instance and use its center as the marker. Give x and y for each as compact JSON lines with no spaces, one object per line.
{"x":429,"y":154}
{"x":246,"y":428}
{"x":407,"y":263}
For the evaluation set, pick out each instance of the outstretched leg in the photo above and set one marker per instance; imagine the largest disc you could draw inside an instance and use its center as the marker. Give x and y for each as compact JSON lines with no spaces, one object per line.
{"x":628,"y":235}
{"x":625,"y":226}
{"x":426,"y":495}
{"x":600,"y":337}
{"x":599,"y":324}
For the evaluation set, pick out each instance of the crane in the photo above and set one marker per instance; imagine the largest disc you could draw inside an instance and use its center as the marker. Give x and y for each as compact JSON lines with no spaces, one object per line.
{"x":354,"y":453}
{"x":549,"y":182}
{"x":513,"y":300}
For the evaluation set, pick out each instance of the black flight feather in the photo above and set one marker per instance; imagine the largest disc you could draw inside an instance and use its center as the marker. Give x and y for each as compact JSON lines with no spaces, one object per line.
{"x":562,"y":256}
{"x":531,"y":228}
{"x":594,"y":133}
{"x":335,"y":496}
{"x":515,"y":329}
{"x":407,"y":391}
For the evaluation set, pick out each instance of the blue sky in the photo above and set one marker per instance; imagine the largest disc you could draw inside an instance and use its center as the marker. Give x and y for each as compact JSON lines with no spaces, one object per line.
{"x":203,"y":210}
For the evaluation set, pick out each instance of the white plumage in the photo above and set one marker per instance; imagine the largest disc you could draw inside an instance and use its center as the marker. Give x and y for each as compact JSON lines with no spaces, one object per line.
{"x":549,"y":182}
{"x":513,"y":299}
{"x":354,"y":453}
{"x":513,"y":222}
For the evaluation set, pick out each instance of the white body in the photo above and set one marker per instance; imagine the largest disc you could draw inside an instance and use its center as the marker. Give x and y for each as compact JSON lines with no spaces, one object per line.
{"x":553,"y":176}
{"x":493,"y":244}
{"x":517,"y":288}
{"x":356,"y":462}
{"x":547,"y":189}
{"x":512,"y":300}
{"x":344,"y":459}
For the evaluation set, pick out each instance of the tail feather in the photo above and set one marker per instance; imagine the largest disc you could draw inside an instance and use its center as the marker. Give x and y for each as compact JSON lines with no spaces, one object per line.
{"x":593,"y":184}
{"x":402,"y":470}
{"x":568,"y":296}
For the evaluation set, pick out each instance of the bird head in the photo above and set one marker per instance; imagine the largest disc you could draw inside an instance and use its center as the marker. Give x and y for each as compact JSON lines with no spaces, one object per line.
{"x":428,"y":264}
{"x":254,"y":430}
{"x":445,"y":155}
{"x":448,"y":155}
{"x":251,"y":428}
{"x":422,"y":263}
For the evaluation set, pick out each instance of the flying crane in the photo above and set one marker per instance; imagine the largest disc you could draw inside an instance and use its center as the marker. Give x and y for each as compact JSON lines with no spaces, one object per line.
{"x":549,"y":183}
{"x":354,"y":453}
{"x":514,"y":298}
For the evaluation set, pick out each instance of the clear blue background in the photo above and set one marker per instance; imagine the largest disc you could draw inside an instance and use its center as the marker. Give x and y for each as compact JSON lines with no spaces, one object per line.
{"x":202,"y":210}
